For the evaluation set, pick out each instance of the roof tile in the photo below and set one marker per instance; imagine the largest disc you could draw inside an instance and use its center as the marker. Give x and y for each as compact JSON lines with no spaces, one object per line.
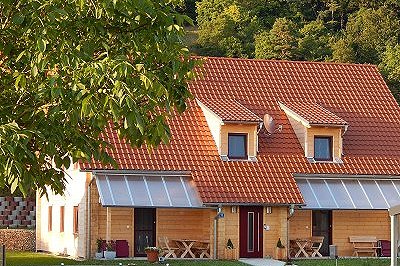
{"x":355,"y":93}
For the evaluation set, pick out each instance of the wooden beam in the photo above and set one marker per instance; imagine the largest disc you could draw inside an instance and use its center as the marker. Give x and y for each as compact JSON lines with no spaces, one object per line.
{"x":108,"y":224}
{"x":393,"y":239}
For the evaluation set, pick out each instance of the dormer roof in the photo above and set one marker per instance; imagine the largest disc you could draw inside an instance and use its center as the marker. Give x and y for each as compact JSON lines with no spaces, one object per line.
{"x":230,"y":110}
{"x":312,"y":114}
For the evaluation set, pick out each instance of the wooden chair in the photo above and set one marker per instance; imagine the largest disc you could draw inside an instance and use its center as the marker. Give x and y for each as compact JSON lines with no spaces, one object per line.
{"x":316,"y":244}
{"x":167,"y":249}
{"x":202,"y":248}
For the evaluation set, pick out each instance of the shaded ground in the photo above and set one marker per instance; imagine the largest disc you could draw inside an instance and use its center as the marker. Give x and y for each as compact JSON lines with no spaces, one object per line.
{"x":30,"y":258}
{"x":344,"y":262}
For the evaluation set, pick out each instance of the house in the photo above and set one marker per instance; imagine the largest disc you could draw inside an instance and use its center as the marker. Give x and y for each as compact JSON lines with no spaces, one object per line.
{"x":267,"y":150}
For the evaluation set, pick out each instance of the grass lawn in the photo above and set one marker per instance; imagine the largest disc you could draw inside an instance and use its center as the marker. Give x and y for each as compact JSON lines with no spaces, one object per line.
{"x":30,"y":258}
{"x":344,"y":262}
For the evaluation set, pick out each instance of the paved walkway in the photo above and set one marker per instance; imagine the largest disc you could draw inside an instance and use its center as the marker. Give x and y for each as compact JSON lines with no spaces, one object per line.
{"x":262,"y":262}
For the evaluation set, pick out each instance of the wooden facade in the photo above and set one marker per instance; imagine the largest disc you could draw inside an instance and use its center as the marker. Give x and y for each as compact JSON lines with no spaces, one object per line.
{"x":345,"y":223}
{"x":176,"y":223}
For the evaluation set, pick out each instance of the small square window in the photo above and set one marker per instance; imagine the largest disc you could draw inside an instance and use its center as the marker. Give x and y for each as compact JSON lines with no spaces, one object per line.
{"x":50,"y":219}
{"x":323,"y":149}
{"x":62,"y":210}
{"x":237,"y":146}
{"x":75,"y":220}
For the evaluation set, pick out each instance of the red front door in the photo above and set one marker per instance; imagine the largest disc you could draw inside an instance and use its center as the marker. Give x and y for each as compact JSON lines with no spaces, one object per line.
{"x":251,"y":232}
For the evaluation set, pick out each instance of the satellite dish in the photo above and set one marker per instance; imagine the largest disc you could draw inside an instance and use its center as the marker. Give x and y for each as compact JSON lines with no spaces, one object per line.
{"x":269,"y":123}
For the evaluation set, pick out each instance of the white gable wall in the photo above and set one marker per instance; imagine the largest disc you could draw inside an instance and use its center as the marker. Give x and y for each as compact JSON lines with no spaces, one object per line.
{"x":64,"y":242}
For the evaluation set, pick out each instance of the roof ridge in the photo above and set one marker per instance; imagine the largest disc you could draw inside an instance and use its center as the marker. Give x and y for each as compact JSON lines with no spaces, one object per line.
{"x":287,"y":61}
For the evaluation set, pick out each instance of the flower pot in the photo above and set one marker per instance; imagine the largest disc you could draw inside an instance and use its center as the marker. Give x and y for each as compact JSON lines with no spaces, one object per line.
{"x":231,"y":254}
{"x":152,"y":255}
{"x":110,"y":255}
{"x":98,"y":255}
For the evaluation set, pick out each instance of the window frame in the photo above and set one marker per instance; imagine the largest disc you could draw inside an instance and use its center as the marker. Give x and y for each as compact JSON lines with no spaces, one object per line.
{"x":62,"y":219}
{"x":50,"y":219}
{"x":245,"y":157}
{"x":330,"y":139}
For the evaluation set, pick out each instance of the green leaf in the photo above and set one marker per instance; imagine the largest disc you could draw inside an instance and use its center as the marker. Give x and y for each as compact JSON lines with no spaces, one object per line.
{"x":34,"y":71}
{"x":41,"y":45}
{"x":20,"y":56}
{"x":18,"y":19}
{"x":14,"y":185}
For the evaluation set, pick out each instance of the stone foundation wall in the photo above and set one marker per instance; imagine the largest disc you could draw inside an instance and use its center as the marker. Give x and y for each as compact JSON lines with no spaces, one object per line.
{"x":18,"y":239}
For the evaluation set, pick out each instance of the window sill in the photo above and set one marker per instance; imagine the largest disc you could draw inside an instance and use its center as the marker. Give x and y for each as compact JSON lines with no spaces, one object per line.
{"x":225,"y":158}
{"x":334,"y":161}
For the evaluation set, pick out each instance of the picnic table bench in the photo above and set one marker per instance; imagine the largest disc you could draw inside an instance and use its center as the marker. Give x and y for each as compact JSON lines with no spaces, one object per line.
{"x":364,"y":244}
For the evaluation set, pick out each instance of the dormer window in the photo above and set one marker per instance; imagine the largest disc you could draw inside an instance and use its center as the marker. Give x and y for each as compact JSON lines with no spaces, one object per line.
{"x":234,"y":128}
{"x":319,"y":131}
{"x":237,"y":146}
{"x":323,"y":148}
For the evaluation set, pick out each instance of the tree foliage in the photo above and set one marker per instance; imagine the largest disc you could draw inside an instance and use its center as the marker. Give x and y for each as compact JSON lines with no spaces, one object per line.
{"x":226,"y":28}
{"x":70,"y":68}
{"x":279,"y":43}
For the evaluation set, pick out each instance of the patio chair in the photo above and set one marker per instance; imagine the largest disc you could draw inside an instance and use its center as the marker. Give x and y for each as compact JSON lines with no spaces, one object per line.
{"x":167,"y":249}
{"x":201,"y":249}
{"x":315,"y":246}
{"x":122,"y":248}
{"x":385,"y":248}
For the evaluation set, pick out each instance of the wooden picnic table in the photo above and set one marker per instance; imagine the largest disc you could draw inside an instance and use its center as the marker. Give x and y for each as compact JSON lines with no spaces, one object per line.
{"x":186,"y":246}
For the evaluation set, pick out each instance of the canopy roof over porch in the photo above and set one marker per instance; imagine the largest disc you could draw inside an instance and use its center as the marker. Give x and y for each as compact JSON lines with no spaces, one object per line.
{"x":349,"y":192}
{"x":147,"y":189}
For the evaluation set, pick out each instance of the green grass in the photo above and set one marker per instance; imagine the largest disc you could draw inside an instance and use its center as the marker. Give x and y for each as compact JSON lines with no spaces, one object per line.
{"x":30,"y":258}
{"x":344,"y":262}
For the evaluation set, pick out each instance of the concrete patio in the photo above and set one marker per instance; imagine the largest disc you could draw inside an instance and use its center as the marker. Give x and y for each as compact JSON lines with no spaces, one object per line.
{"x":262,"y":262}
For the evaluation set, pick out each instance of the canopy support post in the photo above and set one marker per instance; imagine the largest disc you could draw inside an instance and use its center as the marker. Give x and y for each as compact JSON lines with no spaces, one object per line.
{"x":108,"y":227}
{"x":394,"y":235}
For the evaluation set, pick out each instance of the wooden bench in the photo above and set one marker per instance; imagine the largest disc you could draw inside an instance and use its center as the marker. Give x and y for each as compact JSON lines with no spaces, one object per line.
{"x":364,"y":244}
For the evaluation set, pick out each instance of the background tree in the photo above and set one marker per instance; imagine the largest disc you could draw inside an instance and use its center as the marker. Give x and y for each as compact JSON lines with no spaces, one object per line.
{"x":70,"y":68}
{"x":368,"y":31}
{"x":279,"y":43}
{"x":314,"y":42}
{"x":226,"y":28}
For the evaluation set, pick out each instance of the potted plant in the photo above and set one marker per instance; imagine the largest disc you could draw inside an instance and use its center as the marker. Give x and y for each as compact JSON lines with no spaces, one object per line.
{"x":109,"y":253}
{"x":99,"y":253}
{"x":280,"y":249}
{"x":230,"y":251}
{"x":152,"y":253}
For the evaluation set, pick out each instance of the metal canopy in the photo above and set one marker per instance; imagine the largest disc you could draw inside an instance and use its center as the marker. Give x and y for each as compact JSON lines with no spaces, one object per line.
{"x":349,"y":193}
{"x":147,"y":190}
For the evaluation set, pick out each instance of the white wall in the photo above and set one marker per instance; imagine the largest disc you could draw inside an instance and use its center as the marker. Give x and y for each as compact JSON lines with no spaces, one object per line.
{"x":63,"y":242}
{"x":214,"y":124}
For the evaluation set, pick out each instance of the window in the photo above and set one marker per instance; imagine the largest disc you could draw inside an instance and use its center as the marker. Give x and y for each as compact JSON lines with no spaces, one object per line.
{"x":237,"y":146}
{"x":62,"y":219}
{"x":323,"y":148}
{"x":75,"y":222}
{"x":50,"y":219}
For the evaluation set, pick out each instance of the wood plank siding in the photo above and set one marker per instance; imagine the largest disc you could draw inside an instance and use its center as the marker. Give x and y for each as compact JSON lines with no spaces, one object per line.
{"x":345,"y":223}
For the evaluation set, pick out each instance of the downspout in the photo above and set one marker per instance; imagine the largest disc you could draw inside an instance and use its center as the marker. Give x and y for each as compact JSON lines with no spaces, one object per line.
{"x":219,"y":215}
{"x":89,"y":220}
{"x":215,"y":237}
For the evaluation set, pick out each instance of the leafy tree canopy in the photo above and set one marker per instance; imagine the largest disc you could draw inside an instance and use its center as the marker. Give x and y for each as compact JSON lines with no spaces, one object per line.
{"x":70,"y":68}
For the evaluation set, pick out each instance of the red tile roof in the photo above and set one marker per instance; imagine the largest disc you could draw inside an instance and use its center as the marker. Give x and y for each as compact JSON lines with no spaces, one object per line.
{"x":314,"y":113}
{"x":356,"y":93}
{"x":230,"y":110}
